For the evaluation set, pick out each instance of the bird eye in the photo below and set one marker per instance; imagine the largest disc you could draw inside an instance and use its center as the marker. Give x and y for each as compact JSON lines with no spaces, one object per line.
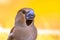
{"x":23,"y":12}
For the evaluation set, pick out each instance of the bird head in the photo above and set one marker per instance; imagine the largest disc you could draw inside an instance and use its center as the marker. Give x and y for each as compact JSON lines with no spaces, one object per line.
{"x":26,"y":15}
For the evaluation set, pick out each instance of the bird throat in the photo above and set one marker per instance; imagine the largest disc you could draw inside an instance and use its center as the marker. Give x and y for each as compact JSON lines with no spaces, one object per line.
{"x":28,"y":22}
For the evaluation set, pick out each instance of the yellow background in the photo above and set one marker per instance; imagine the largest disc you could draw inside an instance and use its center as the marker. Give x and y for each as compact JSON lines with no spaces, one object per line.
{"x":47,"y":15}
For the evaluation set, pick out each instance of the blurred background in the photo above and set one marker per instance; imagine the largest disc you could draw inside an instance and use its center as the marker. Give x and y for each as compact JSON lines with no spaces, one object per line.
{"x":47,"y":19}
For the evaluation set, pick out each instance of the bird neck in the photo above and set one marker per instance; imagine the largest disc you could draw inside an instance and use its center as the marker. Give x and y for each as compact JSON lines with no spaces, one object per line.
{"x":20,"y":23}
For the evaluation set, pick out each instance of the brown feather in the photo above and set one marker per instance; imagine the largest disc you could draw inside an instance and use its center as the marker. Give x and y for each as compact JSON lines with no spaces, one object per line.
{"x":21,"y":30}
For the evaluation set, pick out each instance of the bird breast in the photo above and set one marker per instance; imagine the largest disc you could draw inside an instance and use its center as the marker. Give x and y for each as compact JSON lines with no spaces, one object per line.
{"x":22,"y":33}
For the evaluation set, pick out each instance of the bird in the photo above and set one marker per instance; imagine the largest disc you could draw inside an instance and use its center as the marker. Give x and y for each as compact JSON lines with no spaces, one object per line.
{"x":24,"y":28}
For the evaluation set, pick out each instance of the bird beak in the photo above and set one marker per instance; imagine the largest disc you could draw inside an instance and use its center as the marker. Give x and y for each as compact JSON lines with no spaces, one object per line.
{"x":30,"y":15}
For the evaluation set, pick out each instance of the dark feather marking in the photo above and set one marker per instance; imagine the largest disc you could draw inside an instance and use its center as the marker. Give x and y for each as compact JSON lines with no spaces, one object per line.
{"x":28,"y":22}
